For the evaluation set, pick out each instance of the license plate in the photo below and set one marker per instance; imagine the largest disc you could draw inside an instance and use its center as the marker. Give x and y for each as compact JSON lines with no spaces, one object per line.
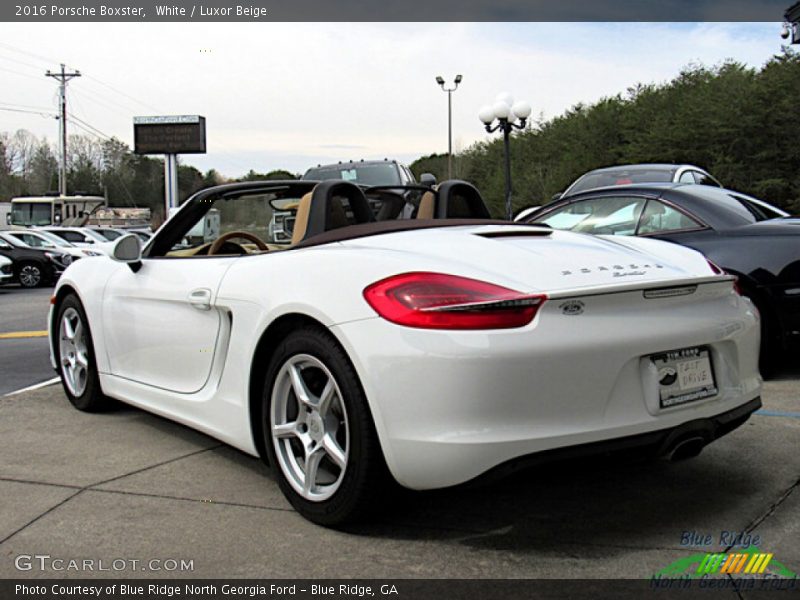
{"x":684,"y":375}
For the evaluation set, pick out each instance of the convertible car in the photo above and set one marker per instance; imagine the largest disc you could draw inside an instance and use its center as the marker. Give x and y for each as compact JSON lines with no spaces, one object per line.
{"x":427,"y":351}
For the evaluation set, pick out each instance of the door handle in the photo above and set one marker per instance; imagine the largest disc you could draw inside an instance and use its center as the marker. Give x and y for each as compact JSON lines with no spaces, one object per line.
{"x":200,"y":298}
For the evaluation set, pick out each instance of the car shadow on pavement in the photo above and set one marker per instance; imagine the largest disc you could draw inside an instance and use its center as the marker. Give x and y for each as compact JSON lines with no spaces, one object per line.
{"x":613,"y":503}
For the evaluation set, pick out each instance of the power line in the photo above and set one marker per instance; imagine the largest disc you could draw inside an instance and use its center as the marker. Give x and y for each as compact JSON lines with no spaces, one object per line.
{"x":20,"y":62}
{"x":32,"y":112}
{"x":90,"y":126}
{"x":105,"y":105}
{"x":25,"y":52}
{"x":20,"y":74}
{"x":17,"y":105}
{"x":121,"y":93}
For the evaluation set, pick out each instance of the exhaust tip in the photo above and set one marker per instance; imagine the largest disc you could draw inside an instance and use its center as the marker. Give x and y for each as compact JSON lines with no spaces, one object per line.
{"x":685,"y":448}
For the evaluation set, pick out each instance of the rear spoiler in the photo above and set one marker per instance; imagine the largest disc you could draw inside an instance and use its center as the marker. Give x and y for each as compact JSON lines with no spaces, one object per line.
{"x":633,"y":286}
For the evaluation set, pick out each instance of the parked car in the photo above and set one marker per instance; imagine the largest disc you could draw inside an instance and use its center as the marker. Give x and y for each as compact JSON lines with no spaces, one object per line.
{"x":363,"y":172}
{"x":33,"y":267}
{"x":144,"y":234}
{"x":387,"y":175}
{"x":109,"y":233}
{"x":643,"y":173}
{"x":430,"y":351}
{"x":745,"y":236}
{"x":6,"y":270}
{"x":82,"y":237}
{"x":33,"y":238}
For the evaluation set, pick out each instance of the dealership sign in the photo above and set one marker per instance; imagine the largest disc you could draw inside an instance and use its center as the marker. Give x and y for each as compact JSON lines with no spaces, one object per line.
{"x":181,"y":134}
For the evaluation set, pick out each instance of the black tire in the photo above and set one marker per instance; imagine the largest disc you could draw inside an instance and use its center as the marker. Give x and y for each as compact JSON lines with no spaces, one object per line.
{"x":31,"y":274}
{"x":365,"y":476}
{"x":91,"y":397}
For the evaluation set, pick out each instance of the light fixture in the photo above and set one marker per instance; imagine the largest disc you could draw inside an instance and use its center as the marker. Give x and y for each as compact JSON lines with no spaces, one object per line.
{"x":456,"y":81}
{"x":506,"y":112}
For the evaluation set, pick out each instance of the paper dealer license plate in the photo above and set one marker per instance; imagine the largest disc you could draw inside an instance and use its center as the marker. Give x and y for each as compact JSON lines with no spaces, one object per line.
{"x":684,"y":375}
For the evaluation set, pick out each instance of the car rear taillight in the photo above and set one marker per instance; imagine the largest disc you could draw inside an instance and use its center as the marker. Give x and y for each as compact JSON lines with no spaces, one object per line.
{"x":438,"y":301}
{"x":715,"y":268}
{"x":720,"y":271}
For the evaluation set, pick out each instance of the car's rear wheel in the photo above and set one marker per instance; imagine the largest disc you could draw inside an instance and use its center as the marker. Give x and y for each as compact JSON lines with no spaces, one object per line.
{"x":318,"y":430}
{"x":75,"y":354}
{"x":30,"y":274}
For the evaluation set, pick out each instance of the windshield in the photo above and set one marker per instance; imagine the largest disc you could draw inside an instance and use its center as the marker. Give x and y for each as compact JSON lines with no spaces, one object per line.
{"x":30,"y":214}
{"x":57,"y":241}
{"x":362,"y":173}
{"x":621,"y":177}
{"x":94,"y":235}
{"x":109,"y":234}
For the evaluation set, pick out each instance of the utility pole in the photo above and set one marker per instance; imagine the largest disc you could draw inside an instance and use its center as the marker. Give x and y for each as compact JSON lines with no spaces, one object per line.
{"x":63,"y":77}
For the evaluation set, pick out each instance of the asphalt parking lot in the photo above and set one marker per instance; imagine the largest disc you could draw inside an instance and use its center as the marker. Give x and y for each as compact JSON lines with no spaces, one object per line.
{"x":23,"y":347}
{"x":129,"y":485}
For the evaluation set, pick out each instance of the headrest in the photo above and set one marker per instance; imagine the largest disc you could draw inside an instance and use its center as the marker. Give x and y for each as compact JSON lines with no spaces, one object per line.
{"x":460,"y":200}
{"x":301,"y":218}
{"x":327,"y":210}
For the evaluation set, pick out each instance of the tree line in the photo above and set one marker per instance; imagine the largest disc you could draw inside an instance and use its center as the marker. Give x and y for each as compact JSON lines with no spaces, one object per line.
{"x":737,"y":122}
{"x":29,"y":166}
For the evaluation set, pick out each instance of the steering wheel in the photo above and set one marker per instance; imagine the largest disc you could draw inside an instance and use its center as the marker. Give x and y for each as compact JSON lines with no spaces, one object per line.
{"x":215,"y":247}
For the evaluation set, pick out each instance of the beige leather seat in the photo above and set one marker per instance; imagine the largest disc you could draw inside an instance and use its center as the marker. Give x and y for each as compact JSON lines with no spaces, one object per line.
{"x":301,"y":219}
{"x":427,"y":206}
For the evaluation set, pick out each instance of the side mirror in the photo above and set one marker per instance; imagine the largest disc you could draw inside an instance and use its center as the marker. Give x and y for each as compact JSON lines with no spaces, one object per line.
{"x":427,"y":179}
{"x":8,"y":219}
{"x":5,"y":245}
{"x":557,"y":196}
{"x":128,"y":249}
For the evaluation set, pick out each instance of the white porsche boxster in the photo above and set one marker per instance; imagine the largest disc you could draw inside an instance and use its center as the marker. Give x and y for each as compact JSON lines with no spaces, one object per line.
{"x":430,"y":350}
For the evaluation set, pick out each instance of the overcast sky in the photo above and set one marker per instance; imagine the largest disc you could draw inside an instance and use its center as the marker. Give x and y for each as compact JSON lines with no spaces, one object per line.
{"x":279,"y":95}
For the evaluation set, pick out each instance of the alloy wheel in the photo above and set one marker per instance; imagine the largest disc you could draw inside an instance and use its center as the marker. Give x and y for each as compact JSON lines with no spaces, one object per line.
{"x":30,"y":275}
{"x":309,"y":427}
{"x":73,"y":352}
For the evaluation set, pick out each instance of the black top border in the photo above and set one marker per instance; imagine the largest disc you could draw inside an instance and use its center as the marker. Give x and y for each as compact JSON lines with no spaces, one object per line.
{"x":395,"y":10}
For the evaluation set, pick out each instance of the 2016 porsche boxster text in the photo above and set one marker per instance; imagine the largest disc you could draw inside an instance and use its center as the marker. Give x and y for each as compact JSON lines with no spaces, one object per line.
{"x":431,"y":349}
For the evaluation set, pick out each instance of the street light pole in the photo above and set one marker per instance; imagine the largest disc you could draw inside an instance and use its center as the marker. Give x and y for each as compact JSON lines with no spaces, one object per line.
{"x":506,"y":112}
{"x":449,"y":91}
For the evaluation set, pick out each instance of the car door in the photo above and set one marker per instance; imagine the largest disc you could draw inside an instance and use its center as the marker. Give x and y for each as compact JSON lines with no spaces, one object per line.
{"x":73,"y":237}
{"x":161,"y":325}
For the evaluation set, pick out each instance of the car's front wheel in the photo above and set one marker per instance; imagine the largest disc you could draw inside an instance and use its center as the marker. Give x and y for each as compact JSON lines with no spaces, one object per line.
{"x":30,"y":274}
{"x":318,"y":430}
{"x":75,"y":354}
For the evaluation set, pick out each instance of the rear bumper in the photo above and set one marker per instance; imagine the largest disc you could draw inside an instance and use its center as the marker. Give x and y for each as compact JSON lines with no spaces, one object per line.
{"x":654,"y":443}
{"x":450,"y":406}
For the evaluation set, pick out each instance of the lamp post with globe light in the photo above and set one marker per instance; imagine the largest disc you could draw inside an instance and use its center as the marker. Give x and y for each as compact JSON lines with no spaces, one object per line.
{"x":506,"y":112}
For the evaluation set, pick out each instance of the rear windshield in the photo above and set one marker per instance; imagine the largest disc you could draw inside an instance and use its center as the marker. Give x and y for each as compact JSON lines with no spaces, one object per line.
{"x":621,"y":177}
{"x":364,"y":174}
{"x":761,"y":211}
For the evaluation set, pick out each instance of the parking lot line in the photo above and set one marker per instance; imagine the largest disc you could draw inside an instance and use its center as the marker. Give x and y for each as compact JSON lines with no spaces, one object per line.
{"x":35,"y":386}
{"x":778,"y":413}
{"x":22,"y":334}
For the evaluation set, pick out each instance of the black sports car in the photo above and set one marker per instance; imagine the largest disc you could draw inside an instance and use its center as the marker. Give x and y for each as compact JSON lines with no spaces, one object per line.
{"x":743,"y":235}
{"x":33,"y":267}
